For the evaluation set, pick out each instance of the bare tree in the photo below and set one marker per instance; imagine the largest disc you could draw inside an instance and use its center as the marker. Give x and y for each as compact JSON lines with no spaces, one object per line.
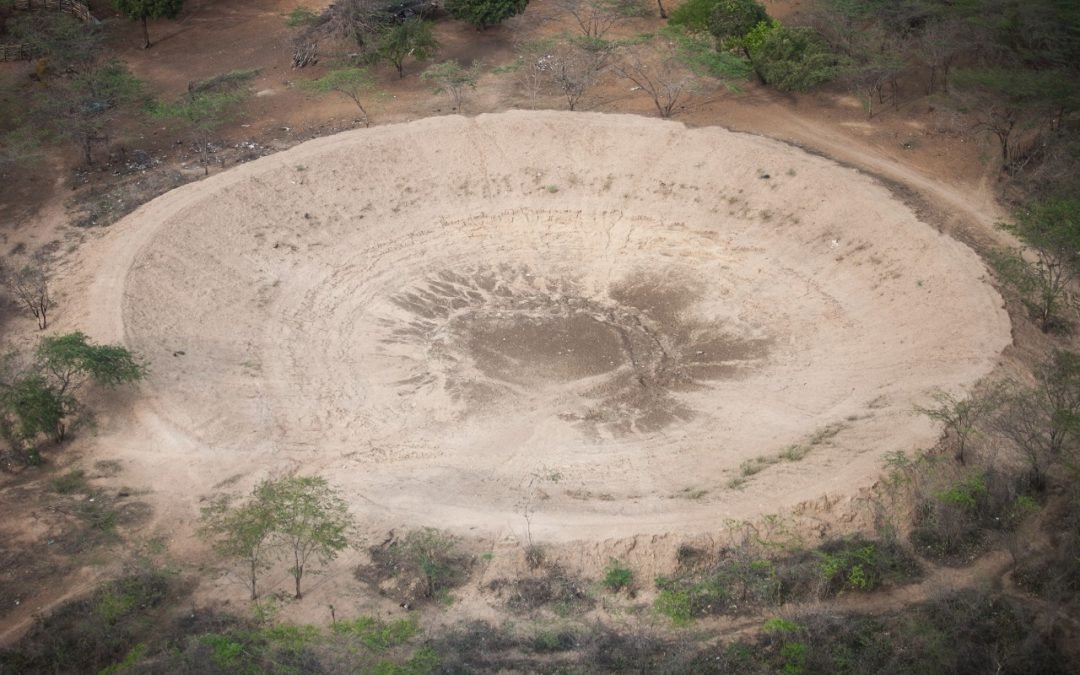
{"x":663,"y":78}
{"x":595,"y":18}
{"x":358,"y":21}
{"x":1043,"y":422}
{"x":574,"y":67}
{"x":939,"y":45}
{"x":30,"y":286}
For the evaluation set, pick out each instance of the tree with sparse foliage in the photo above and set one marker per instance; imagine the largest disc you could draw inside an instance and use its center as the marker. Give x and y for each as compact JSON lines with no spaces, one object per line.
{"x":355,"y":83}
{"x":141,"y":10}
{"x":206,"y":106}
{"x":1051,"y":230}
{"x":409,"y":38}
{"x":450,"y":78}
{"x":309,"y":519}
{"x":484,"y":14}
{"x":85,"y":102}
{"x":960,"y":416}
{"x":243,"y":532}
{"x":1043,"y":421}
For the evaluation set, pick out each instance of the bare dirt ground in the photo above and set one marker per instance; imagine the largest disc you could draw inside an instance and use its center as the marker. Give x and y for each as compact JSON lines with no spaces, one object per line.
{"x":520,"y":298}
{"x":592,"y":319}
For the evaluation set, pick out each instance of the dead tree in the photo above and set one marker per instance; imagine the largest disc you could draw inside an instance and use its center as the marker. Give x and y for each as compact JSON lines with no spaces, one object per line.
{"x":30,"y":286}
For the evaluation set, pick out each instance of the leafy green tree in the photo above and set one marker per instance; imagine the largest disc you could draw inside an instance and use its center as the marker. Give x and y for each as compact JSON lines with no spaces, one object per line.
{"x":1051,"y":229}
{"x":433,"y":556}
{"x":39,"y":400}
{"x":735,"y":18}
{"x":484,"y":14}
{"x":29,"y":408}
{"x":243,"y":532}
{"x":412,"y":37}
{"x":71,"y":360}
{"x":793,"y":59}
{"x":693,"y":15}
{"x":450,"y":78}
{"x":309,"y":518}
{"x":355,"y":83}
{"x":141,"y":10}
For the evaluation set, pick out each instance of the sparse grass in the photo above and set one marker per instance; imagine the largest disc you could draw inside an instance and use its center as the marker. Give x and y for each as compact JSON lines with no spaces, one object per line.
{"x":225,"y":82}
{"x":757,"y":465}
{"x":826,"y":433}
{"x":301,"y":16}
{"x":737,"y":483}
{"x":692,"y":493}
{"x":108,"y":467}
{"x":793,"y":453}
{"x":72,"y":482}
{"x":553,"y":641}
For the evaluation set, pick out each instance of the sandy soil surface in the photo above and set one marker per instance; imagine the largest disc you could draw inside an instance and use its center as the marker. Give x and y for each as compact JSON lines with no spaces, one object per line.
{"x":592,"y":319}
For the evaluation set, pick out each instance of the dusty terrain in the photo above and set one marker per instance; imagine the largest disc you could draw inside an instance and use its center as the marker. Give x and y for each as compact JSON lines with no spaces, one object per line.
{"x":434,"y":314}
{"x":591,"y":320}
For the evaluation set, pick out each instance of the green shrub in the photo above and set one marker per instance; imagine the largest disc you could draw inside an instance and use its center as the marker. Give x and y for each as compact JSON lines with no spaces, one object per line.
{"x":617,"y":576}
{"x":377,"y":635}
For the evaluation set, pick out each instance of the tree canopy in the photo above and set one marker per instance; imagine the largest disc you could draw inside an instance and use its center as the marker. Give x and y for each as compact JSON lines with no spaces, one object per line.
{"x":484,"y":14}
{"x":141,"y":10}
{"x":302,"y":518}
{"x":793,"y":59}
{"x":40,"y":399}
{"x":411,"y":37}
{"x":735,"y":18}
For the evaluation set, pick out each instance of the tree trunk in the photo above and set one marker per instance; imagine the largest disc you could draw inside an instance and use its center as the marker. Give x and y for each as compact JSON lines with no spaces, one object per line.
{"x":753,"y":66}
{"x":298,"y":573}
{"x":145,"y":34}
{"x":254,"y":593}
{"x":663,"y":12}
